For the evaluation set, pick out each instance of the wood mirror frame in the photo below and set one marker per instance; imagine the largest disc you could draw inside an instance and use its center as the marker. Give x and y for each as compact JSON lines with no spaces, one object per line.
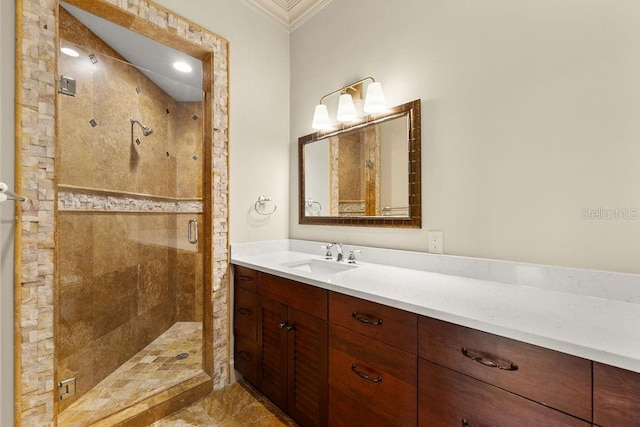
{"x":414,"y":219}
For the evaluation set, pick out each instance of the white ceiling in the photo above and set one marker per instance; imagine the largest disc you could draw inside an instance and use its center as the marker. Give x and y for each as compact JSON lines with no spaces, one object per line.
{"x":153,"y":59}
{"x":288,"y":13}
{"x":156,"y":60}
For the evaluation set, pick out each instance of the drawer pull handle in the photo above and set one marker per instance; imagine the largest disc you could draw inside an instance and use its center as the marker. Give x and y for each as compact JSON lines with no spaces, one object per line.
{"x":364,"y":319}
{"x":465,"y":423}
{"x":288,"y":326}
{"x":364,"y":375}
{"x":244,"y":278}
{"x":244,"y":355}
{"x":245,"y":311}
{"x":488,"y":362}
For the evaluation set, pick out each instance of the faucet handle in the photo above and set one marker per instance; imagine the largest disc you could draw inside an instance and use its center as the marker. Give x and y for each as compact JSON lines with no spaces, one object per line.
{"x":327,"y":248}
{"x":352,"y":255}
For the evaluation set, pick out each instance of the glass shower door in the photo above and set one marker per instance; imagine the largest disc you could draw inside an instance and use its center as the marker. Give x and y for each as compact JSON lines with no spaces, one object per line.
{"x":130,"y":262}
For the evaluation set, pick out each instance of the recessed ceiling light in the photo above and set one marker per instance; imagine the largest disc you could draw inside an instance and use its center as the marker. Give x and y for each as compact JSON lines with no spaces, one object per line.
{"x":69,"y":51}
{"x":182,"y":66}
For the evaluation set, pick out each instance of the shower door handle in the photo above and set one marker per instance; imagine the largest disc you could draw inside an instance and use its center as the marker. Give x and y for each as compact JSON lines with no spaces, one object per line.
{"x":192,"y":231}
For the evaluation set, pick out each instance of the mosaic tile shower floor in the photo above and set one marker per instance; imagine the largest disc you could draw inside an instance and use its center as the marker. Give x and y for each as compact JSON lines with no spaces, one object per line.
{"x":154,"y":369}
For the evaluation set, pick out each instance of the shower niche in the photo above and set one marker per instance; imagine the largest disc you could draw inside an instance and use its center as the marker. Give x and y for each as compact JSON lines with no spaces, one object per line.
{"x":132,"y":219}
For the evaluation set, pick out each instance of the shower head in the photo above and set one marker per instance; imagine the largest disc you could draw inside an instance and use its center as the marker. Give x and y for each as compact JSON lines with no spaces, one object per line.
{"x":146,"y":130}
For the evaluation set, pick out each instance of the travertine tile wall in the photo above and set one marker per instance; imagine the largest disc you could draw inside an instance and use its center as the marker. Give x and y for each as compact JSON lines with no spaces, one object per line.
{"x":36,"y":134}
{"x":115,"y":294}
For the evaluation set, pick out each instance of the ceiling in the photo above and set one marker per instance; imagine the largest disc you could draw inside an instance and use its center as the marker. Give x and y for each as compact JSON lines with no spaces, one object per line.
{"x":288,"y":13}
{"x":156,"y":60}
{"x":153,"y":59}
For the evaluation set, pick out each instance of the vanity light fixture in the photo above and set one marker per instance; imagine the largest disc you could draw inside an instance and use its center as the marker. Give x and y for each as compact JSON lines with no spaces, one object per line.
{"x":374,"y":103}
{"x":182,"y":66}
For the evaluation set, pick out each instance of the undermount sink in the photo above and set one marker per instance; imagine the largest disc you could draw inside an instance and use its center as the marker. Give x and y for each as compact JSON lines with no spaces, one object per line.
{"x":320,"y":267}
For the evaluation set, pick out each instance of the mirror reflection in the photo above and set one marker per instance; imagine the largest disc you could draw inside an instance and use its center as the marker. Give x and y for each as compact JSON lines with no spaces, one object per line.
{"x":362,"y":174}
{"x":359,"y":173}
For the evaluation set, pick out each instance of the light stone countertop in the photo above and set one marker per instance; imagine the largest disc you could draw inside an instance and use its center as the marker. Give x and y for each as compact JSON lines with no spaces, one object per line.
{"x":586,"y":313}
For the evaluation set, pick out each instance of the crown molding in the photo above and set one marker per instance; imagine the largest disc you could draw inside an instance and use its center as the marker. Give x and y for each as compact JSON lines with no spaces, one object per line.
{"x":288,"y":13}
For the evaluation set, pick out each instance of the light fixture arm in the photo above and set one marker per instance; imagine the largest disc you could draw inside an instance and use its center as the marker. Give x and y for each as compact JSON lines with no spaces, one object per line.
{"x":373,"y":103}
{"x":345,"y":89}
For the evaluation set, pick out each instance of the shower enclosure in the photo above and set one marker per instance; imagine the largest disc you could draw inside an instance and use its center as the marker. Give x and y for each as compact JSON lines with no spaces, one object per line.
{"x":130,"y":236}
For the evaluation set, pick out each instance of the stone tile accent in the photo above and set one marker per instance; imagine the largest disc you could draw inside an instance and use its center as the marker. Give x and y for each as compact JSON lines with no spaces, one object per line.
{"x":98,"y":201}
{"x":36,"y":58}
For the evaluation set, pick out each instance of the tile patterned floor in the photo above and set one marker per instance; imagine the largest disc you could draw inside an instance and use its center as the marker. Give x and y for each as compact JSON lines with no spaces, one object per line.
{"x":238,"y":405}
{"x":154,"y":369}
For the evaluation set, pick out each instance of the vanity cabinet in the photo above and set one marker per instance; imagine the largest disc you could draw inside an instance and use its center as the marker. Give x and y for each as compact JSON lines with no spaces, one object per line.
{"x":616,"y":396}
{"x":284,"y":324}
{"x":372,"y":363}
{"x":505,"y":368}
{"x":330,"y":359}
{"x":245,"y":323}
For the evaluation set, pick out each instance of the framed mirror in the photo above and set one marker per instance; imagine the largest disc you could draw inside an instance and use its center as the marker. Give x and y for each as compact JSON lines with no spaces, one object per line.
{"x":366,"y":173}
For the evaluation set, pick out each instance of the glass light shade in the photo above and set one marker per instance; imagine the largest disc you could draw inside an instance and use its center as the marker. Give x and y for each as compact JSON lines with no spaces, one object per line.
{"x":346,"y":109}
{"x":321,"y":117}
{"x":374,"y":101}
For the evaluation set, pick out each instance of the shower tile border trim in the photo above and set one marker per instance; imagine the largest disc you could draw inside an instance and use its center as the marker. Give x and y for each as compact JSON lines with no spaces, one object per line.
{"x":110,"y":201}
{"x":36,"y":148}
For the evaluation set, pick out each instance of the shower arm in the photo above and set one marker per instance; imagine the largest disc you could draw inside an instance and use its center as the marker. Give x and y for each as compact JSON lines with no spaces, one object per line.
{"x":146,"y":130}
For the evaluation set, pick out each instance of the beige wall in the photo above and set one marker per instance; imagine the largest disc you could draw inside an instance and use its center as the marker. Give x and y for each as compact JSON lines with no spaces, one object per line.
{"x":259,"y":115}
{"x":529,"y":115}
{"x":7,"y":13}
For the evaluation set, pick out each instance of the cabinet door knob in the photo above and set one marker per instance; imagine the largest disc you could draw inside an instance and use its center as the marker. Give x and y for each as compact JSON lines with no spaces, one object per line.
{"x":364,"y":375}
{"x":488,"y":362}
{"x":364,"y":319}
{"x":288,"y":326}
{"x":465,"y":423}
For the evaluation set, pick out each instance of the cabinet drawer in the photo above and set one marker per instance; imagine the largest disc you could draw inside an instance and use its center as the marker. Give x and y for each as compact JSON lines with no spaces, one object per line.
{"x":245,"y":358}
{"x":389,"y":394}
{"x":245,"y":313}
{"x":616,"y":396}
{"x":390,"y":325}
{"x":306,"y":298}
{"x":546,"y":376}
{"x":447,"y":398}
{"x":245,"y":278}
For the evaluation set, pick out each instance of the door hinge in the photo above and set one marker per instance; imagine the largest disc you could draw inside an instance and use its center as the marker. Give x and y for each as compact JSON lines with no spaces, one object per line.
{"x":67,"y":85}
{"x":66,"y":388}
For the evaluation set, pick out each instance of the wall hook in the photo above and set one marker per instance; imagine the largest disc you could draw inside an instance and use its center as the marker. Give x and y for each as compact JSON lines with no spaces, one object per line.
{"x":9,"y":195}
{"x":261,"y":204}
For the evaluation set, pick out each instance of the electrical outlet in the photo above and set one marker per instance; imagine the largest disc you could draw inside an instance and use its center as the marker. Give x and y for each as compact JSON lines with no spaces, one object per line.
{"x":435,"y":242}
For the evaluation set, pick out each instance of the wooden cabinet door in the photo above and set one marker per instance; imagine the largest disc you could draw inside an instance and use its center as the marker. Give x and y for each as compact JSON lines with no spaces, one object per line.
{"x":245,"y":311}
{"x":245,"y":325}
{"x":448,"y":398}
{"x":371,"y":383}
{"x":616,"y":396}
{"x":307,"y":369}
{"x":272,"y":351}
{"x":546,"y":376}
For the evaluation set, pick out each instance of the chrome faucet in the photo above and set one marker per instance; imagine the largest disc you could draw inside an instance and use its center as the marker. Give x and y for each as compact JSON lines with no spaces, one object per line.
{"x":339,"y":251}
